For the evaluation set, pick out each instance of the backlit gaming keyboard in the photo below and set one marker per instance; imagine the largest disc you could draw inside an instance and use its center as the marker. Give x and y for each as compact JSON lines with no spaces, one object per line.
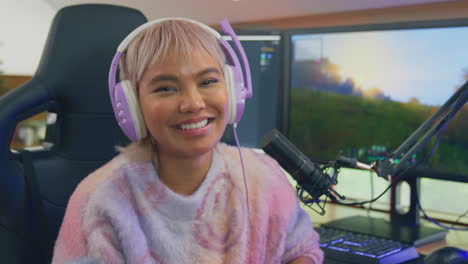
{"x":346,"y":247}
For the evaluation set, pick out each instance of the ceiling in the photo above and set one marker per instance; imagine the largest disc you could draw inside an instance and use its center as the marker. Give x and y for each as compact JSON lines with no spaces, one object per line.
{"x":241,"y":11}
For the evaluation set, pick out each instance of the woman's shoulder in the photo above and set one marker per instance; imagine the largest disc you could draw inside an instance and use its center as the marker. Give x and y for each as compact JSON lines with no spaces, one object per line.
{"x":101,"y":175}
{"x":266,"y":180}
{"x":136,"y":152}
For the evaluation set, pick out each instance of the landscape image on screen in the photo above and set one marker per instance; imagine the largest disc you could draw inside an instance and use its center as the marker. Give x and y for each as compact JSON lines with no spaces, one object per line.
{"x":364,"y":93}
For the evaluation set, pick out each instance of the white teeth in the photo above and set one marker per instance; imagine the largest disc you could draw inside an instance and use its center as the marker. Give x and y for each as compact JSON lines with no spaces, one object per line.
{"x":194,"y":125}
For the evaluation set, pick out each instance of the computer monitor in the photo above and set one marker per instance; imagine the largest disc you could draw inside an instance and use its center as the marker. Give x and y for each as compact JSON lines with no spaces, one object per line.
{"x":263,"y":50}
{"x":362,"y":90}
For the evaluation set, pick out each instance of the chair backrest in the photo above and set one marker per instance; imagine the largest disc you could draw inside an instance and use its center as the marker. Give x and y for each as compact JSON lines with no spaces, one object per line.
{"x":71,"y":81}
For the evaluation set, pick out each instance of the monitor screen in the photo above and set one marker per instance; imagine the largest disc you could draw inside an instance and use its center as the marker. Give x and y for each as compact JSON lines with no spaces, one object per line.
{"x":363,"y":90}
{"x":263,"y":51}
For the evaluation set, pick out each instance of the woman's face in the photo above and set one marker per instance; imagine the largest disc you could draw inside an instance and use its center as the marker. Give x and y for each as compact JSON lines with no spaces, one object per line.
{"x":184,"y":104}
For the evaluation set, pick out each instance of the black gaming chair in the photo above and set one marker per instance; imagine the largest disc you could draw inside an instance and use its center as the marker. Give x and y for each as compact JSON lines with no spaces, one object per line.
{"x":71,"y":81}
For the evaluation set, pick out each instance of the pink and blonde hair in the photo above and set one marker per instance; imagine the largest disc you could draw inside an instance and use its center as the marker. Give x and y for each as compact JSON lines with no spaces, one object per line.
{"x":155,"y":43}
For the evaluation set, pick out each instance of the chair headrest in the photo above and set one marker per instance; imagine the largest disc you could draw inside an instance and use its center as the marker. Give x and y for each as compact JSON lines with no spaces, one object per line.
{"x":79,"y":49}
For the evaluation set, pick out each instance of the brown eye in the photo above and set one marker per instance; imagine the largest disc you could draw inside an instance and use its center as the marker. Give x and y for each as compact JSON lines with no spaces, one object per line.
{"x":165,"y":89}
{"x":209,"y":81}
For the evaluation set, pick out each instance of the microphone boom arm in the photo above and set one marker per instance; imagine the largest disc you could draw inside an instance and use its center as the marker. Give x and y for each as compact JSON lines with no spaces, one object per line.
{"x":387,"y":167}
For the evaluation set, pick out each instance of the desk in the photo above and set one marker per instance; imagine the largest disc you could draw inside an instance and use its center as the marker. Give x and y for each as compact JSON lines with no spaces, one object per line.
{"x":333,"y":211}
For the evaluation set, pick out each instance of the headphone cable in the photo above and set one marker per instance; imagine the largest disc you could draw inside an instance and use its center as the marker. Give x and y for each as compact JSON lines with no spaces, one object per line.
{"x":234,"y":127}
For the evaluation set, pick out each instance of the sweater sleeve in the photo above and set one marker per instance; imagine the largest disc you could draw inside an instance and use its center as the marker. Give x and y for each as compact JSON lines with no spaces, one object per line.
{"x":93,"y":242}
{"x":86,"y":235}
{"x":71,"y":241}
{"x":302,"y":240}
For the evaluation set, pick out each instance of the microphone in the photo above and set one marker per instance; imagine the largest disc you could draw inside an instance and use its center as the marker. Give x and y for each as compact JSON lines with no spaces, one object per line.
{"x":307,"y":174}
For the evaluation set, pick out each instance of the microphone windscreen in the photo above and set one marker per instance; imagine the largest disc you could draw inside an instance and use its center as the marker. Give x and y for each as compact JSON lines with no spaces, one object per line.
{"x":307,"y":174}
{"x":284,"y":152}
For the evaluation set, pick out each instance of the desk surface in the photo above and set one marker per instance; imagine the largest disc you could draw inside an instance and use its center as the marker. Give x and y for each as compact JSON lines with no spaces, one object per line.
{"x":454,"y":238}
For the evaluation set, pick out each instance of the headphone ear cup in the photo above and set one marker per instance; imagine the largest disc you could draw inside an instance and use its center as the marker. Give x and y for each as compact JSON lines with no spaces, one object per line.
{"x":231,"y":88}
{"x":127,"y":111}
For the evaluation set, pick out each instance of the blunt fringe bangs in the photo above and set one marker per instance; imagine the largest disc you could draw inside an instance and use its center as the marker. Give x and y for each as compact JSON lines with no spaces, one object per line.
{"x":153,"y":45}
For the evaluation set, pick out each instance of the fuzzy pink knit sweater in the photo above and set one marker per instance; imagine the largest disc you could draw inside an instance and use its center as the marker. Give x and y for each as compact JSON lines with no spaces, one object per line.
{"x":122,"y":213}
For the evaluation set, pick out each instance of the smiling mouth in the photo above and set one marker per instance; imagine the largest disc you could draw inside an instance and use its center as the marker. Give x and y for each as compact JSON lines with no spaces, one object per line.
{"x":200,"y":124}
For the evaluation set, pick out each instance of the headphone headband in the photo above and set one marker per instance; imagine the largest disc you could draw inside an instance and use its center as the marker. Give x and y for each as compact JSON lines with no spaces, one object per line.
{"x":124,"y":44}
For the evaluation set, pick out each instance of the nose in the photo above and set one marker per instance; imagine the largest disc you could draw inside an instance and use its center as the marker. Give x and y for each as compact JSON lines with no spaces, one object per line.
{"x":192,"y":101}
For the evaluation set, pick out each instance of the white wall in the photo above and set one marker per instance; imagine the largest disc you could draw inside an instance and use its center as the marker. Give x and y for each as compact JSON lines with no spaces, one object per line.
{"x":24,"y":25}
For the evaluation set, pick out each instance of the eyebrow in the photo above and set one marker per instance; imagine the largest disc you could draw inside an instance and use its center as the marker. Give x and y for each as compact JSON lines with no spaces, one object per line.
{"x":169,"y":77}
{"x":209,"y":70}
{"x":163,"y":77}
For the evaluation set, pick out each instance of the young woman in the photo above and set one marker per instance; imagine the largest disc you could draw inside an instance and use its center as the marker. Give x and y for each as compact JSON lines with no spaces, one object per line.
{"x":177,"y":194}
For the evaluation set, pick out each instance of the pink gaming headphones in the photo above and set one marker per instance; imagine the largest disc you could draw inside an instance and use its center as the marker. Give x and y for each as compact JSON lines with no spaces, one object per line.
{"x":124,"y":100}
